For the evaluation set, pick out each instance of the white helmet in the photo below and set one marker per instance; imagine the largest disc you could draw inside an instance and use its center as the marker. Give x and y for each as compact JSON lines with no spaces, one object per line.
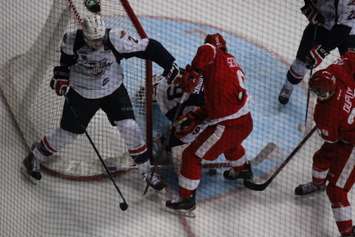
{"x":93,"y":27}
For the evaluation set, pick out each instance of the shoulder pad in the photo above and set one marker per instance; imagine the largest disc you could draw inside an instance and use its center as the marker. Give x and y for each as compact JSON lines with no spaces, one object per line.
{"x":124,"y":43}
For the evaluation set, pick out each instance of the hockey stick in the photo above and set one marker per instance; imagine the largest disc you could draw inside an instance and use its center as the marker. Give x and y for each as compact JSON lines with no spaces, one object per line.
{"x":310,"y":75}
{"x":166,"y":142}
{"x":263,"y":186}
{"x":123,"y":204}
{"x":259,"y":158}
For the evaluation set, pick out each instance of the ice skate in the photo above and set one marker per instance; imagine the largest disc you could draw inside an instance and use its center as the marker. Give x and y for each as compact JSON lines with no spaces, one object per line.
{"x":31,"y":168}
{"x":154,"y":181}
{"x":231,"y":174}
{"x":285,"y":94}
{"x":182,"y":207}
{"x":308,"y":188}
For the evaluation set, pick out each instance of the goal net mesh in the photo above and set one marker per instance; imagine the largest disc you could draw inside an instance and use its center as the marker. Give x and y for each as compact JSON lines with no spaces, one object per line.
{"x":264,"y":37}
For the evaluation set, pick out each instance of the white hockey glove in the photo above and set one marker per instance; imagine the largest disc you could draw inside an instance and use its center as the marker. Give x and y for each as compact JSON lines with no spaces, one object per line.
{"x":315,"y":56}
{"x":173,"y":73}
{"x":60,"y":80}
{"x":312,"y":13}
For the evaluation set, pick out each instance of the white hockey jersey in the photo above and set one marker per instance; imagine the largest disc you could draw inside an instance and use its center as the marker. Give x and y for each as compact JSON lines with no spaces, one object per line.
{"x":337,"y":12}
{"x":96,"y":72}
{"x":168,"y":97}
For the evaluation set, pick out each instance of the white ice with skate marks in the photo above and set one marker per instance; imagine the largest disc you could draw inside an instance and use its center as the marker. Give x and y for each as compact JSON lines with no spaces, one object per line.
{"x":63,"y":208}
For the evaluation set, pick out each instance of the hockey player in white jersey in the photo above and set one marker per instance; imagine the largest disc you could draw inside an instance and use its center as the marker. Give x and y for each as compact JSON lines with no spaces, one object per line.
{"x":91,"y":76}
{"x":169,"y":97}
{"x":331,"y":25}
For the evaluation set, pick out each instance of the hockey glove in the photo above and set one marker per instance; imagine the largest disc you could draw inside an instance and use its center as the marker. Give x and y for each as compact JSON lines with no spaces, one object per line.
{"x":187,"y":123}
{"x":312,"y":13}
{"x":173,"y":73}
{"x":315,"y":56}
{"x":60,"y":80}
{"x":189,"y":79}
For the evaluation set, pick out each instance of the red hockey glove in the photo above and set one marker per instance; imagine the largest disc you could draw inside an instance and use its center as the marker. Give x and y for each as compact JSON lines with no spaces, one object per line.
{"x":189,"y":79}
{"x":315,"y":56}
{"x":60,"y":80}
{"x":187,"y":123}
{"x":312,"y":13}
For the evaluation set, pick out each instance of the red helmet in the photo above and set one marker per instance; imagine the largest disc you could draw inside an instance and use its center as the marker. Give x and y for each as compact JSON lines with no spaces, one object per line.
{"x":323,"y":84}
{"x":217,"y":40}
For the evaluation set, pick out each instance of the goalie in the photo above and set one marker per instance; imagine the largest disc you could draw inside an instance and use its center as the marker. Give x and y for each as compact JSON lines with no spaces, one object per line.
{"x":173,"y":104}
{"x":226,"y":113}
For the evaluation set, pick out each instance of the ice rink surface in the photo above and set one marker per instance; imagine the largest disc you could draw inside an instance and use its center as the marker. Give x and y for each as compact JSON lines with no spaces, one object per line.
{"x":58,"y":207}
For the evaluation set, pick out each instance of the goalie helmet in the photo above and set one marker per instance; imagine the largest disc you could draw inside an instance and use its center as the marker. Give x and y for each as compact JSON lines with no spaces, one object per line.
{"x":93,"y":27}
{"x":323,"y":84}
{"x":217,"y":40}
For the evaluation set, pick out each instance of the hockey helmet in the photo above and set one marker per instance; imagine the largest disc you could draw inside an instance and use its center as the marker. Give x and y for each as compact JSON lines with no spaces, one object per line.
{"x":217,"y":40}
{"x":94,"y":30}
{"x":323,"y":84}
{"x":93,"y":5}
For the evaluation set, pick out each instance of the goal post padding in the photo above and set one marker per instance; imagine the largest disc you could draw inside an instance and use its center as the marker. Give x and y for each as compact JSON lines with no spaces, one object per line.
{"x":37,"y":110}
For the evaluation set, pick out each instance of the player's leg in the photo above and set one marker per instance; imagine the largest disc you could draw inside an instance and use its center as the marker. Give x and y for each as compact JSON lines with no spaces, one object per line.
{"x":119,"y":110}
{"x":298,"y":69}
{"x":349,"y":43}
{"x":240,"y":167}
{"x":190,"y":171}
{"x":208,"y":145}
{"x":322,"y":160}
{"x":236,"y":154}
{"x":341,"y":180}
{"x":70,"y":128}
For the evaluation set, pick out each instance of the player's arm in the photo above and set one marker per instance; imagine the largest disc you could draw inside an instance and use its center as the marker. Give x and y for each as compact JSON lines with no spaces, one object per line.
{"x":192,"y":74}
{"x":147,"y":48}
{"x":344,"y":22}
{"x":60,"y":79}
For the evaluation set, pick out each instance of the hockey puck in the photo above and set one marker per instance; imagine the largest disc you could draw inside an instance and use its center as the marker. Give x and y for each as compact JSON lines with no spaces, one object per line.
{"x":123,"y":206}
{"x":212,"y":172}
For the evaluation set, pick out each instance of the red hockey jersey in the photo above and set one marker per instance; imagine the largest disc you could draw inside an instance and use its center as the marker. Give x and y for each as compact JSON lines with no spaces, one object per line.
{"x":225,"y":95}
{"x":335,"y":116}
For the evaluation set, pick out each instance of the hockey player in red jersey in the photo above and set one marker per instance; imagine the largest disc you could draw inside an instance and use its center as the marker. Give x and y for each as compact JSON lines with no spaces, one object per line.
{"x":331,"y":25}
{"x":334,"y":117}
{"x":226,"y":112}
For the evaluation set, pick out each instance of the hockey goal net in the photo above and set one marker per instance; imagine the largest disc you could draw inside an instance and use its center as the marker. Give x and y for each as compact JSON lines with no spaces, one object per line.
{"x":37,"y":110}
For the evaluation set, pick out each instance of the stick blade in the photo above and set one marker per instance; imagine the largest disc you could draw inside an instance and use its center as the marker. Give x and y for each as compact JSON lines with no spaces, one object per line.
{"x":256,"y":187}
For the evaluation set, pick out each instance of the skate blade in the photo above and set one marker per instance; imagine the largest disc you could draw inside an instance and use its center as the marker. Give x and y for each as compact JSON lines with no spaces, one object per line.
{"x":28,"y":177}
{"x":182,"y":213}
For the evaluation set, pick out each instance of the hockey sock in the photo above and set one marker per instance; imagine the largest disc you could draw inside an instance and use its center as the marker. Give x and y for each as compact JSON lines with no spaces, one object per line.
{"x":341,"y":209}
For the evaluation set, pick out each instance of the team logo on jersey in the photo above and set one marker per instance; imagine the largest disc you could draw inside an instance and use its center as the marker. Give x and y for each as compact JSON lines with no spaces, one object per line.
{"x":94,"y":67}
{"x":349,"y":96}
